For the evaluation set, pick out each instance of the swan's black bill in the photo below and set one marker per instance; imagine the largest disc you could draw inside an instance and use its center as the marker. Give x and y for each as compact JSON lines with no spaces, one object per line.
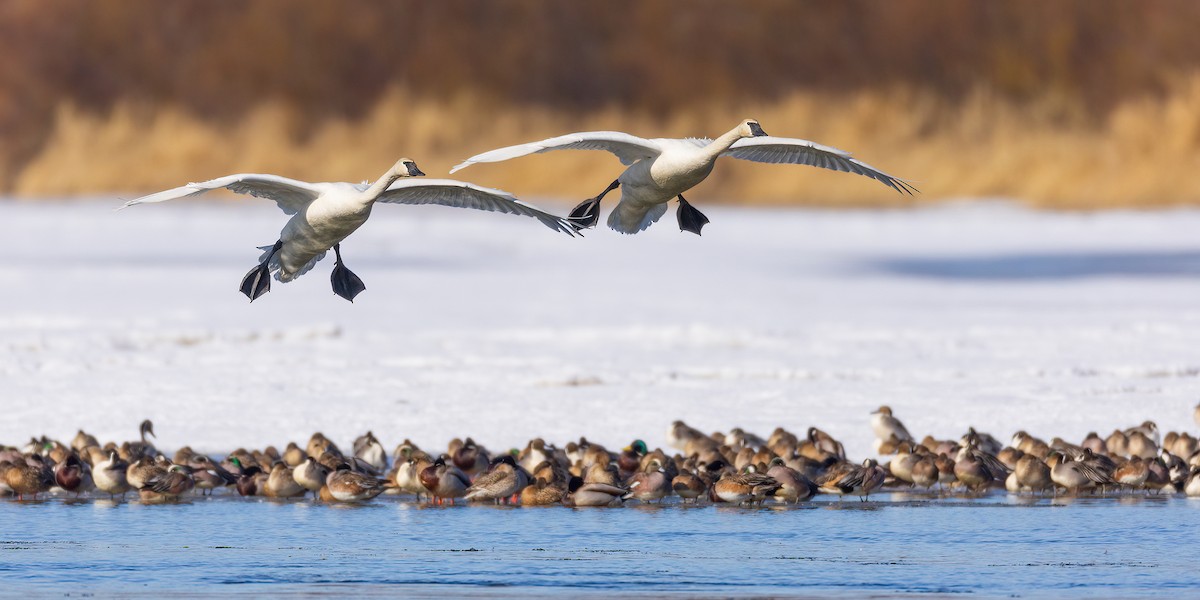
{"x":345,"y":283}
{"x":690,"y":219}
{"x":757,"y":130}
{"x":258,"y":281}
{"x":413,"y":171}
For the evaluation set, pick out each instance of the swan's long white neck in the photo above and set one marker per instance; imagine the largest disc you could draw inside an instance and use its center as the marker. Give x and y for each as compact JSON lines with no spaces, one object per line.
{"x":721,"y":144}
{"x":377,"y":188}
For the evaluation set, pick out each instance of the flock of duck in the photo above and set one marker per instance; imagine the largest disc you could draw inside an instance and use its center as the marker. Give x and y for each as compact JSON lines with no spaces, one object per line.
{"x":736,"y":467}
{"x":659,"y":170}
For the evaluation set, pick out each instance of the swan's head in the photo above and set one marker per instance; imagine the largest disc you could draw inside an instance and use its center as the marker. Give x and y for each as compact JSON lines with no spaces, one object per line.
{"x":751,"y":128}
{"x":406,"y":167}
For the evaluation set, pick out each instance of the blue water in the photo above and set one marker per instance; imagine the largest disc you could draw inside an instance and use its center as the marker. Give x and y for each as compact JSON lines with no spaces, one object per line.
{"x":993,"y":546}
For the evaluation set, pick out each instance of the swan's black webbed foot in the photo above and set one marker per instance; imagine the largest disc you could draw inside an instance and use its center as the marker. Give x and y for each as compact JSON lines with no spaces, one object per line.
{"x":345,"y":283}
{"x":587,"y":214}
{"x":258,"y":281}
{"x":690,"y":219}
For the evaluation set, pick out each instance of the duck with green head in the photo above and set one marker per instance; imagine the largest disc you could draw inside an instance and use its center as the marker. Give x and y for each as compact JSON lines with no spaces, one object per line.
{"x":631,"y":457}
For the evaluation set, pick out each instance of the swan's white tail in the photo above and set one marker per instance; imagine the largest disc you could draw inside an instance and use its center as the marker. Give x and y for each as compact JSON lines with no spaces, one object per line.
{"x":278,"y":272}
{"x":631,"y":219}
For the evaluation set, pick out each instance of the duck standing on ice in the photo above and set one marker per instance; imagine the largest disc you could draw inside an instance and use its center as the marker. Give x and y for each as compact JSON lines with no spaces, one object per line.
{"x":661,"y":170}
{"x":324,"y":214}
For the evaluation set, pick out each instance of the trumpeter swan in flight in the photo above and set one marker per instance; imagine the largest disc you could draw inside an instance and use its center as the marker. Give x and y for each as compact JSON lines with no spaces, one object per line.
{"x":662,"y":169}
{"x":324,"y":214}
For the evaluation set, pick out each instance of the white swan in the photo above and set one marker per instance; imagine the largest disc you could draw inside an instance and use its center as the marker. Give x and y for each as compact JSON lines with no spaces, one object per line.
{"x":662,"y":169}
{"x":324,"y":214}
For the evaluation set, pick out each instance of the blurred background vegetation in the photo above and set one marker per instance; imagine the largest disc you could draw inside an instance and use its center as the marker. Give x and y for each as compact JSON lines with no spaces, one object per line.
{"x":1068,"y":104}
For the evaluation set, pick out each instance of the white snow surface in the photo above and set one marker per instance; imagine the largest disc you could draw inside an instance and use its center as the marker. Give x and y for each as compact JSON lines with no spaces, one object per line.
{"x":969,"y":314}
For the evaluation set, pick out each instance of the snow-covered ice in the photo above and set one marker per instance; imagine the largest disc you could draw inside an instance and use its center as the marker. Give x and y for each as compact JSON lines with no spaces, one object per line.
{"x":476,"y":324}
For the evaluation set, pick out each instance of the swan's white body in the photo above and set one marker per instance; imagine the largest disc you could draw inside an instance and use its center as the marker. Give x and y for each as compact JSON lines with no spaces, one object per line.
{"x":324,"y":214}
{"x":661,"y":169}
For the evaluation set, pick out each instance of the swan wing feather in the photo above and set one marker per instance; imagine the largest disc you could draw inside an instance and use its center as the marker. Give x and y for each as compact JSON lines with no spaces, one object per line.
{"x":778,"y":150}
{"x":292,"y":196}
{"x":460,"y":194}
{"x":628,"y":148}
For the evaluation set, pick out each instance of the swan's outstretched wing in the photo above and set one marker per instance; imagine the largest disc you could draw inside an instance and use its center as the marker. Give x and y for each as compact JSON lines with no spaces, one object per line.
{"x":768,"y":149}
{"x":628,"y":148}
{"x":291,"y":195}
{"x":460,"y":194}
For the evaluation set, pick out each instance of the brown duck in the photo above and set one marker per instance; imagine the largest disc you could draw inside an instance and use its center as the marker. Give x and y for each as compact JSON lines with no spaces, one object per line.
{"x":502,"y":482}
{"x":167,"y":486}
{"x":688,"y":486}
{"x":345,"y":485}
{"x":542,"y":493}
{"x":445,"y":482}
{"x":29,"y":478}
{"x":281,"y":483}
{"x":73,"y":476}
{"x":747,"y":487}
{"x":860,"y":481}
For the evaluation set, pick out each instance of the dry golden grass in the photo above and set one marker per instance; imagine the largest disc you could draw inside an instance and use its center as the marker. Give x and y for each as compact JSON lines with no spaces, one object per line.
{"x":1142,"y":154}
